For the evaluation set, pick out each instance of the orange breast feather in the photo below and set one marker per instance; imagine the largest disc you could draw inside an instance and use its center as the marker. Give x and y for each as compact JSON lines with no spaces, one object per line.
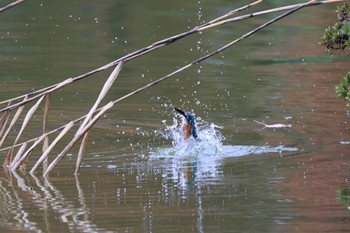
{"x":187,"y":130}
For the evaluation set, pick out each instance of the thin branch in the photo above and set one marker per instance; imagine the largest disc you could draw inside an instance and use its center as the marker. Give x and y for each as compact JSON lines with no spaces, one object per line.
{"x":264,"y":12}
{"x":299,"y":6}
{"x":28,"y":117}
{"x":77,"y":137}
{"x":19,"y":154}
{"x":46,"y":111}
{"x":108,"y":106}
{"x":108,"y":84}
{"x":3,"y":121}
{"x":48,"y":90}
{"x":13,"y":121}
{"x":26,"y":120}
{"x":58,"y":129}
{"x":156,"y":45}
{"x":190,"y":64}
{"x":51,"y":146}
{"x":45,"y":119}
{"x":26,"y":155}
{"x":81,"y":153}
{"x":233,"y":12}
{"x":13,"y":4}
{"x":92,"y":117}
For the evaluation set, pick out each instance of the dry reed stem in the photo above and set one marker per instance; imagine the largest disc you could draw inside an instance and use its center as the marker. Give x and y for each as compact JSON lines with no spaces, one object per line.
{"x":81,"y":153}
{"x":108,"y":84}
{"x":77,"y":137}
{"x":8,"y":157}
{"x":82,"y":132}
{"x":2,"y":116}
{"x":51,"y":146}
{"x":28,"y":94}
{"x":19,"y":154}
{"x":161,"y":42}
{"x":58,"y":129}
{"x":27,"y":118}
{"x":13,"y":4}
{"x":44,"y":148}
{"x":264,"y":12}
{"x":106,"y":87}
{"x":299,"y":6}
{"x":146,"y":50}
{"x":27,"y":154}
{"x":46,"y":111}
{"x":13,"y":121}
{"x":45,"y":119}
{"x":173,"y":38}
{"x":233,"y":12}
{"x":41,"y":94}
{"x":4,"y":121}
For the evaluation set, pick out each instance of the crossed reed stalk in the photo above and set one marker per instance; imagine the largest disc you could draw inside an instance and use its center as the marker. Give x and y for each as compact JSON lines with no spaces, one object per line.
{"x":25,"y":149}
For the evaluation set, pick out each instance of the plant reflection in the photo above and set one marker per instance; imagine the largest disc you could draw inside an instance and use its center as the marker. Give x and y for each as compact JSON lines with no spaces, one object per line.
{"x":45,"y":197}
{"x":165,"y":187}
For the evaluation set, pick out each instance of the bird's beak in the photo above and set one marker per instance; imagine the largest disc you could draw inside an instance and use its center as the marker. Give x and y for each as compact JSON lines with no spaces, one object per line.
{"x":180,"y":111}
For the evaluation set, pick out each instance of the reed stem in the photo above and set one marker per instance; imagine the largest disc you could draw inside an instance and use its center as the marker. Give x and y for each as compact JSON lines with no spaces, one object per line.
{"x":9,"y":6}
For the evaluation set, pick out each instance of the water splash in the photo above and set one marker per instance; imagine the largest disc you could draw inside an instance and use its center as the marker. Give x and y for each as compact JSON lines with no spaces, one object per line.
{"x":191,"y":160}
{"x":209,"y":143}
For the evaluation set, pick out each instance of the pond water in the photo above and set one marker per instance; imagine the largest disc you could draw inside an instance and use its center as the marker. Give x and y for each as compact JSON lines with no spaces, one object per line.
{"x":273,"y":154}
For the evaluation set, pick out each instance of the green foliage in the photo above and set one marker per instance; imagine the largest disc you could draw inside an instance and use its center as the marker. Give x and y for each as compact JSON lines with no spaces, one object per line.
{"x":344,"y":196}
{"x":343,"y":89}
{"x":337,"y":37}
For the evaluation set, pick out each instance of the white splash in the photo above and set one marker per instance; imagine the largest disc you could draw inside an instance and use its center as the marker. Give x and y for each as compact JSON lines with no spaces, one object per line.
{"x":201,"y":158}
{"x":208,"y":143}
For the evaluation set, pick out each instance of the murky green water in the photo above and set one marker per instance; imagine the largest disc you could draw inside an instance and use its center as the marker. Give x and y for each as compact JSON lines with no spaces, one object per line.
{"x":129,"y":181}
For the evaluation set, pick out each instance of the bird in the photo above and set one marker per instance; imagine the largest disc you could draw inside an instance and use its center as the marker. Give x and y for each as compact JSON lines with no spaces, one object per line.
{"x":189,"y":127}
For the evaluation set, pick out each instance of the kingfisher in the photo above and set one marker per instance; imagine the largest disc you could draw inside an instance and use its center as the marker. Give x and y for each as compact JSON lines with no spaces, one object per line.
{"x":189,"y":127}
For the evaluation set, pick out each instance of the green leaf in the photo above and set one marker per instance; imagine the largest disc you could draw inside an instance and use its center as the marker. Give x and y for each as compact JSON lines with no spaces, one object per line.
{"x":346,"y":28}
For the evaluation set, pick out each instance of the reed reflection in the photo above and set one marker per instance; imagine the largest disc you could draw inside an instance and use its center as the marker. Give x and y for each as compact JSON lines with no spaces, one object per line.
{"x":32,"y":204}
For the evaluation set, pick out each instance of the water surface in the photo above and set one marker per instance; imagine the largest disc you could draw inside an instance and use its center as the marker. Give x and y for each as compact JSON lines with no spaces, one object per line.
{"x":135,"y":176}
